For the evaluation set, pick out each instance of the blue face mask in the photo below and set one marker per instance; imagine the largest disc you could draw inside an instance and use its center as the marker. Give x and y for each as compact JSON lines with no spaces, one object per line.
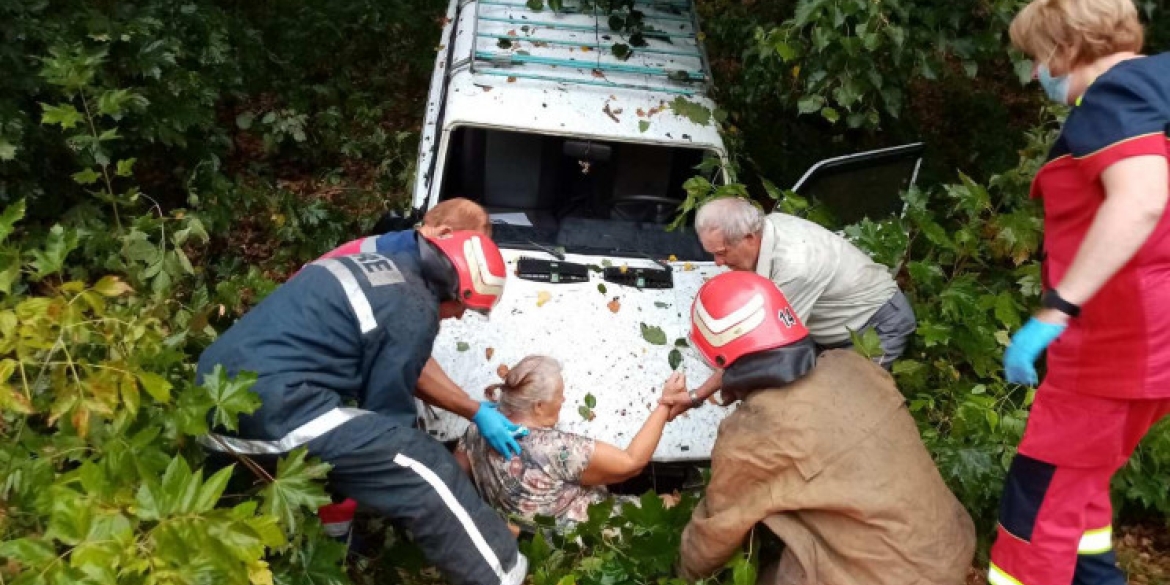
{"x":1055,"y":87}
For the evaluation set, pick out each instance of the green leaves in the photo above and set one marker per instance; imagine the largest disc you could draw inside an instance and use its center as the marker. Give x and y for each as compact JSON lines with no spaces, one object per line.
{"x":867,"y":343}
{"x":180,"y":492}
{"x":115,"y":102}
{"x":28,"y":551}
{"x":64,"y":115}
{"x":51,"y":259}
{"x":298,"y":484}
{"x":86,"y":176}
{"x":462,"y":346}
{"x":230,"y":397}
{"x":653,"y":334}
{"x":674,"y":358}
{"x":12,"y":214}
{"x":8,"y":150}
{"x":695,"y":112}
{"x":156,"y":386}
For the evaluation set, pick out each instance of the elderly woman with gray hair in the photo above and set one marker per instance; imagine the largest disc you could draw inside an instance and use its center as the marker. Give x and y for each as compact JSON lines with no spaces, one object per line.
{"x":556,"y":474}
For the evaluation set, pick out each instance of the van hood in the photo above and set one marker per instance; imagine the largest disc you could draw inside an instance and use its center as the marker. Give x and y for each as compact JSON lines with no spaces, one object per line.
{"x":615,"y":343}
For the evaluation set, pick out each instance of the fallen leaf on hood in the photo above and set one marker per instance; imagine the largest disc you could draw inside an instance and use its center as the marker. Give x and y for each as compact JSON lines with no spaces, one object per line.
{"x":673,"y":258}
{"x":612,"y":114}
{"x":542,"y":297}
{"x":489,"y":352}
{"x":687,"y":267}
{"x":653,"y":334}
{"x":614,"y":306}
{"x":624,"y":268}
{"x":502,"y":371}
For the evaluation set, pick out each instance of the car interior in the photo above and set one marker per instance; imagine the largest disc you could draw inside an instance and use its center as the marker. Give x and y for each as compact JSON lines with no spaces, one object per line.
{"x":615,"y":198}
{"x":586,"y":196}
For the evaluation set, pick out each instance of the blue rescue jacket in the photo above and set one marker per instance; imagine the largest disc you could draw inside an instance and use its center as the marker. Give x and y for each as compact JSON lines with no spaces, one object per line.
{"x":346,"y":331}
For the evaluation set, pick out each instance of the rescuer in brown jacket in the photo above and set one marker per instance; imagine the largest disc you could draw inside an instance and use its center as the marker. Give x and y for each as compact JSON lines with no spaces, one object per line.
{"x":822,"y":451}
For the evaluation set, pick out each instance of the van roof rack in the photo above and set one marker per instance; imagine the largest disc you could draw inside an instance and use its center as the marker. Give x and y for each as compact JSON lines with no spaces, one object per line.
{"x":577,"y":45}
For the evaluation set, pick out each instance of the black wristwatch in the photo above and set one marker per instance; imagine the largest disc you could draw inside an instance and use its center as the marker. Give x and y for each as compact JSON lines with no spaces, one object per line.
{"x":1053,"y":300}
{"x":695,"y":400}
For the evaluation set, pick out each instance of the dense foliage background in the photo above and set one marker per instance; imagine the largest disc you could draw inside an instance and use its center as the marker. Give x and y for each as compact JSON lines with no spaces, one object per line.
{"x":163,"y":165}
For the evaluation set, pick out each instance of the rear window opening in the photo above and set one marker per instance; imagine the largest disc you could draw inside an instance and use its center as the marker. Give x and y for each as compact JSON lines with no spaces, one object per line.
{"x":587,"y":196}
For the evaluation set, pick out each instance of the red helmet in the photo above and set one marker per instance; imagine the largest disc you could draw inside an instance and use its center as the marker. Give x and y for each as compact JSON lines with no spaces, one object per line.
{"x":479,"y":265}
{"x":738,"y":313}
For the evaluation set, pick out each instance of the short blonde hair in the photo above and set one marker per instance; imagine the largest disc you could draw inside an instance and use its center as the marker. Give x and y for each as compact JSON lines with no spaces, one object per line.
{"x":1067,"y":33}
{"x":459,"y":214}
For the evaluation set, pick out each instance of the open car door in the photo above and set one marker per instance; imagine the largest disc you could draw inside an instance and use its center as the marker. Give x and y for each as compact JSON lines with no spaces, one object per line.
{"x":865,"y":184}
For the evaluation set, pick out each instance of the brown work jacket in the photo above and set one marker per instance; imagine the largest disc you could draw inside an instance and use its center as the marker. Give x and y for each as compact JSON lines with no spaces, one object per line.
{"x":834,"y":466}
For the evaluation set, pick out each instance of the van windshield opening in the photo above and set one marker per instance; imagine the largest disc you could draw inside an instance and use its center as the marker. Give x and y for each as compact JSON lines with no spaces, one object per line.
{"x":586,"y":196}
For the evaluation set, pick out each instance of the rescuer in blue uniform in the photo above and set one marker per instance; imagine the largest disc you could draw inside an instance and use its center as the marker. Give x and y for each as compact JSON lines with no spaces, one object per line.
{"x":338,"y":351}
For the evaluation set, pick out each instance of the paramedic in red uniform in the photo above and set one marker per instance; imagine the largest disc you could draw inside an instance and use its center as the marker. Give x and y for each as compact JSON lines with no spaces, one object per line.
{"x":1105,"y":319}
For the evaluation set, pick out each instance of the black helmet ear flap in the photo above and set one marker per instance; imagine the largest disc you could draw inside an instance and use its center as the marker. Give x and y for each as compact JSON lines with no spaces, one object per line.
{"x":437,"y":270}
{"x":771,"y":368}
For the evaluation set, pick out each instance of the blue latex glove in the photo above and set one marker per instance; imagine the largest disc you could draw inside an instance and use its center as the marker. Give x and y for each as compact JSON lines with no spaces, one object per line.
{"x":1020,"y":358}
{"x":499,"y":432}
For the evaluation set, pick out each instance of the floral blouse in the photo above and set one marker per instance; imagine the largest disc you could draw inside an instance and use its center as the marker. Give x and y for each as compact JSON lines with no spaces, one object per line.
{"x":544,"y":480}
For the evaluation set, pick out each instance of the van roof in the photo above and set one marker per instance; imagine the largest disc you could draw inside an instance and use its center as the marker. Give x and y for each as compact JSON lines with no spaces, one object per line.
{"x":559,"y":72}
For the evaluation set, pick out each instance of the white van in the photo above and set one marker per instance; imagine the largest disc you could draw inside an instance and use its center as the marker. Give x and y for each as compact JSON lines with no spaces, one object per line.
{"x":577,"y":139}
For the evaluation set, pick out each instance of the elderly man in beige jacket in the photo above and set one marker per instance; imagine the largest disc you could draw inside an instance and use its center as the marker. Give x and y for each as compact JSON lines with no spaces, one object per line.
{"x":834,"y":287}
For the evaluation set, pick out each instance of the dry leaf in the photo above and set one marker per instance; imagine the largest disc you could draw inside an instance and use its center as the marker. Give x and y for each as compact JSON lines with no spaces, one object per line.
{"x":598,"y":74}
{"x":624,"y":268}
{"x":511,"y":80}
{"x":542,"y":297}
{"x":612,"y":114}
{"x":640,"y":112}
{"x":586,"y":49}
{"x":673,"y":258}
{"x":502,"y":371}
{"x":512,"y":33}
{"x":687,"y":267}
{"x":614,"y":306}
{"x":489,"y":352}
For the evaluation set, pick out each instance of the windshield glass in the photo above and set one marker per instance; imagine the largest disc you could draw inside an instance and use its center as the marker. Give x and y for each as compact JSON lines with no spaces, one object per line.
{"x":587,"y":197}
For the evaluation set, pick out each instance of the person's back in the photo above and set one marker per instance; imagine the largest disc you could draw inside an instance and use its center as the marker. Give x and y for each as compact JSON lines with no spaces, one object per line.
{"x":833,"y":464}
{"x":833,"y":285}
{"x":544,"y":480}
{"x":315,"y":341}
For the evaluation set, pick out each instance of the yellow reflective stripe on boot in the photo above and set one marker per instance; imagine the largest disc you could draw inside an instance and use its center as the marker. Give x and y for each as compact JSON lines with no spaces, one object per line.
{"x":997,"y":576}
{"x":1097,"y":541}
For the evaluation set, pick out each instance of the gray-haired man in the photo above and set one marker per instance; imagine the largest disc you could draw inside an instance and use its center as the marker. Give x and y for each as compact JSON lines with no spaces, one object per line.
{"x":834,"y":287}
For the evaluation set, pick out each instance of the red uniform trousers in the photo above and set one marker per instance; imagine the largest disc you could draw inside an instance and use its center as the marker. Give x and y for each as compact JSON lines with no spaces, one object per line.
{"x":1055,"y":516}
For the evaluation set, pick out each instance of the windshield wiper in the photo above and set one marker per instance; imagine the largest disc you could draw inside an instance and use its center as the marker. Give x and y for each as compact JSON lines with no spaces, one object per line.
{"x":548,"y":250}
